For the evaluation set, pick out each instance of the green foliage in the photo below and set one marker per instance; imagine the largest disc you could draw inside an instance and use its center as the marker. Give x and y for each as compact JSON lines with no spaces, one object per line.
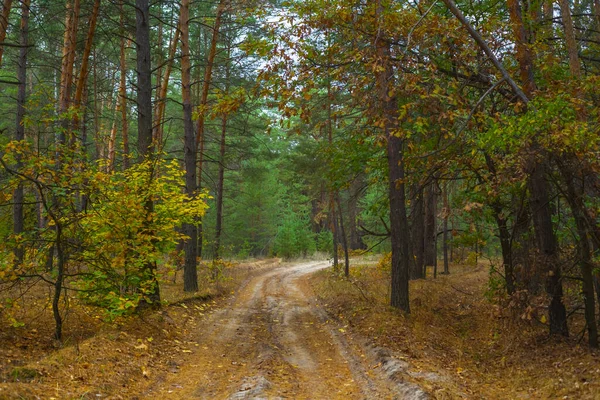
{"x":104,"y":228}
{"x":324,"y":242}
{"x":294,"y":237}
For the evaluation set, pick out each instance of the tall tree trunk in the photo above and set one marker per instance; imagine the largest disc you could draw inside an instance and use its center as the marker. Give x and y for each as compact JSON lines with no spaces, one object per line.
{"x":548,"y":246}
{"x":220,"y":187}
{"x":430,"y":200}
{"x":570,"y":40}
{"x":18,"y":196}
{"x":161,"y":100}
{"x":123,"y":89}
{"x":221,"y":179}
{"x":4,"y":25}
{"x":202,"y":106}
{"x":144,"y":120}
{"x":575,"y":193}
{"x":417,"y":232}
{"x":68,"y":61}
{"x":504,"y":235}
{"x":395,"y":154}
{"x":190,"y":272}
{"x":446,"y":216}
{"x":335,"y":230}
{"x":85,"y":59}
{"x":523,"y":53}
{"x":344,"y":239}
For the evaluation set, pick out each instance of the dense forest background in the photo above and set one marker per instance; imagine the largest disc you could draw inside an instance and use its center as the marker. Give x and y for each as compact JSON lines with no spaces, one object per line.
{"x":139,"y":139}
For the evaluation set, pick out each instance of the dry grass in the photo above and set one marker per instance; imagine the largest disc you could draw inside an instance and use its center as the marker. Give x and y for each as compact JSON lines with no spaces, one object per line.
{"x":116,"y":360}
{"x":480,"y":349}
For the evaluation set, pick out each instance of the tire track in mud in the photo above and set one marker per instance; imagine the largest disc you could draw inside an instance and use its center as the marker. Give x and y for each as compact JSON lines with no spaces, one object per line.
{"x":271,"y":342}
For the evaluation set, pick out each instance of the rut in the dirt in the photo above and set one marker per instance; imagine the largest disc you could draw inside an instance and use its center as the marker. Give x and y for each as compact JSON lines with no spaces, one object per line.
{"x":272,"y":342}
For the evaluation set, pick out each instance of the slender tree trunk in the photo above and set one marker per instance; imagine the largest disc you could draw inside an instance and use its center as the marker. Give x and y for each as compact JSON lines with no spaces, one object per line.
{"x":574,"y":196}
{"x":112,"y":140}
{"x":161,"y":101}
{"x":202,"y":106}
{"x":221,"y":179}
{"x":344,"y":239}
{"x":144,"y":120}
{"x":4,"y":25}
{"x":430,"y":200}
{"x":123,"y":89}
{"x":335,"y":230}
{"x":446,"y":216}
{"x":58,"y":284}
{"x":220,"y":187}
{"x":504,"y":235}
{"x":18,"y":196}
{"x":190,"y":269}
{"x":417,"y":233}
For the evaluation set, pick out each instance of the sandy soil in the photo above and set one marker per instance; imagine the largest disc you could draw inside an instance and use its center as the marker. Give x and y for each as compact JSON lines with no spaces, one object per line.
{"x":273,"y":342}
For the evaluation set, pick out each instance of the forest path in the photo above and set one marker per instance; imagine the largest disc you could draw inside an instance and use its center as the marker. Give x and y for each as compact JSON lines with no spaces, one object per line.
{"x":273,"y":342}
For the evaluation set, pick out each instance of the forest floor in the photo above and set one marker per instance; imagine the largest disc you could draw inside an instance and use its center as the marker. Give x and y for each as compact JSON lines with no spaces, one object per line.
{"x":463,"y":340}
{"x":300,"y":331}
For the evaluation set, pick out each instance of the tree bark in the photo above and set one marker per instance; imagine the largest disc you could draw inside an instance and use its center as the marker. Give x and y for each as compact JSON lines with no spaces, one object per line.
{"x":190,"y":272}
{"x":220,"y":187}
{"x":523,"y":52}
{"x":161,"y":100}
{"x":400,"y":237}
{"x":202,"y":106}
{"x":144,"y":120}
{"x":4,"y":24}
{"x":68,"y":61}
{"x":548,"y":246}
{"x":446,"y":216}
{"x":334,"y":229}
{"x":430,"y":200}
{"x":123,"y":89}
{"x":344,"y":239}
{"x":85,"y":59}
{"x":574,"y":195}
{"x":571,"y":42}
{"x":18,"y":195}
{"x":417,"y":233}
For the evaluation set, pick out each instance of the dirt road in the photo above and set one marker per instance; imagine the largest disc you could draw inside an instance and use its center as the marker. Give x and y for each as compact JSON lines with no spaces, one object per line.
{"x":273,"y":342}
